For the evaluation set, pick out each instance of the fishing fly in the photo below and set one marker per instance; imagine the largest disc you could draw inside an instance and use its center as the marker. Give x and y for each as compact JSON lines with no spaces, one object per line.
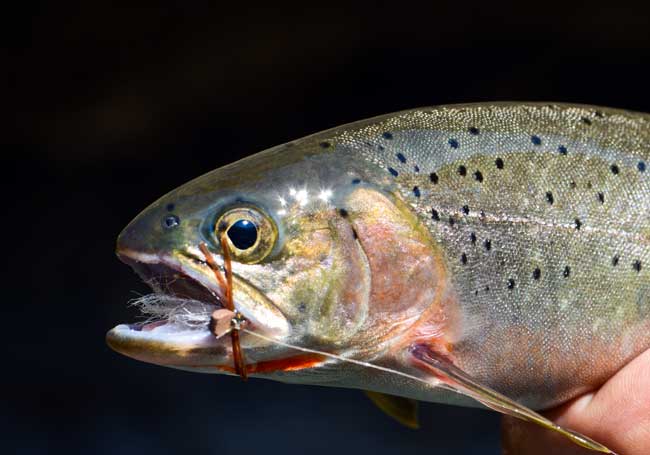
{"x":227,"y":319}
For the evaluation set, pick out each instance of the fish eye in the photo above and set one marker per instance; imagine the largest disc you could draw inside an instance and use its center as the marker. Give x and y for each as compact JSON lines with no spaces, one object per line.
{"x":250,"y":233}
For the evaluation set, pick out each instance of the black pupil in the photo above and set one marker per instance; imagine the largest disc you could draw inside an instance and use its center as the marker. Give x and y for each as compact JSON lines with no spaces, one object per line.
{"x":243,"y":234}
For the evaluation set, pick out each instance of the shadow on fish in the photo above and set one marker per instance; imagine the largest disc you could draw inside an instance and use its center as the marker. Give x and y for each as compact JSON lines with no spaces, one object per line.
{"x":488,"y":255}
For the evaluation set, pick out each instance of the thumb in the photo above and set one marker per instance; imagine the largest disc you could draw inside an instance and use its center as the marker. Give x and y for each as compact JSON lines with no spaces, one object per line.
{"x":617,"y":415}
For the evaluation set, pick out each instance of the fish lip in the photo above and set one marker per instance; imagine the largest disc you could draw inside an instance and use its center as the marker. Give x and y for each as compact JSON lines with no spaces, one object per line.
{"x":182,"y":347}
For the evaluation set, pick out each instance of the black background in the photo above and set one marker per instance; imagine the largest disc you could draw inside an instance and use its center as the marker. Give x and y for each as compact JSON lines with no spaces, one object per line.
{"x":108,"y":108}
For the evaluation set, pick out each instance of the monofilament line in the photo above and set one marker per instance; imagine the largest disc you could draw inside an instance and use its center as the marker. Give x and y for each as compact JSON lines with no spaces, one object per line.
{"x":345,"y":359}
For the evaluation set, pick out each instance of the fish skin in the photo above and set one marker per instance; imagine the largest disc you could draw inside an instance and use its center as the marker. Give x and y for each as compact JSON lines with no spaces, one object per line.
{"x":563,"y":334}
{"x":467,"y":188}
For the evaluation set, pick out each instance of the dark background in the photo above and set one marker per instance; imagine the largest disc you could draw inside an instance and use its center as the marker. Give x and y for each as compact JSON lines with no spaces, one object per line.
{"x":108,"y":108}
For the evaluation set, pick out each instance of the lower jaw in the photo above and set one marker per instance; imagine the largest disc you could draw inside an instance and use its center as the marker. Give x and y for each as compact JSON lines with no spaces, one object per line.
{"x":166,"y":344}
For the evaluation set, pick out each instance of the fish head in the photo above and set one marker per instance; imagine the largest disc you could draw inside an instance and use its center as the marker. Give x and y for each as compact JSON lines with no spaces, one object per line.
{"x":317,"y":240}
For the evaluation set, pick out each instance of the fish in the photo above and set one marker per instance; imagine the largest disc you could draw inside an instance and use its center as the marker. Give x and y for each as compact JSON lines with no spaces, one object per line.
{"x":493,"y":255}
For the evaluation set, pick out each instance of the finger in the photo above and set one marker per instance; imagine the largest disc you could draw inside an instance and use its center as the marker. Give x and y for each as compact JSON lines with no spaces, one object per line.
{"x":617,"y":415}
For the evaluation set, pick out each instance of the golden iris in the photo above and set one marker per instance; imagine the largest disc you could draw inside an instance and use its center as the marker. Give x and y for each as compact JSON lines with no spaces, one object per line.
{"x":250,"y":234}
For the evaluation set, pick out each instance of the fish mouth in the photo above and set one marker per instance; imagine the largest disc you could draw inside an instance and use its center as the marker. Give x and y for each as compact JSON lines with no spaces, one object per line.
{"x":185,"y":293}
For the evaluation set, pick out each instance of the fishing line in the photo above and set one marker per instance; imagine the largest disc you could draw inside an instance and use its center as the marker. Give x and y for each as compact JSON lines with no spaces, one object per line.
{"x":236,"y":325}
{"x":345,"y":359}
{"x":534,"y":417}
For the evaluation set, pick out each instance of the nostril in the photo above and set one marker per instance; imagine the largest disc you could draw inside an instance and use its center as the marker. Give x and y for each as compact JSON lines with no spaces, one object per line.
{"x":171,"y":221}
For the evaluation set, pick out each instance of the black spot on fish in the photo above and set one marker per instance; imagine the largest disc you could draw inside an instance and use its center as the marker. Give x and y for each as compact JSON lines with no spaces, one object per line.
{"x":487,"y":244}
{"x":573,"y":184}
{"x":601,"y":197}
{"x":615,"y":260}
{"x":453,"y":143}
{"x":462,"y":170}
{"x":549,"y":197}
{"x":356,"y":181}
{"x":641,"y":166}
{"x":416,"y":168}
{"x":171,"y":221}
{"x":535,"y":140}
{"x":434,"y":178}
{"x":473,"y":131}
{"x":537,"y":273}
{"x":463,"y":258}
{"x":598,"y":114}
{"x":487,"y":288}
{"x":614,"y":169}
{"x":452,"y":221}
{"x":472,"y":237}
{"x":387,"y":135}
{"x":401,"y":157}
{"x":465,"y":209}
{"x":578,"y":224}
{"x":562,"y":149}
{"x":416,"y":191}
{"x":435,"y":215}
{"x":393,"y":171}
{"x":637,"y":265}
{"x":170,"y":207}
{"x":586,"y":121}
{"x":344,"y":213}
{"x":511,"y":283}
{"x":302,"y":306}
{"x":478,"y":176}
{"x":566,"y":272}
{"x":499,"y":163}
{"x":325,"y":145}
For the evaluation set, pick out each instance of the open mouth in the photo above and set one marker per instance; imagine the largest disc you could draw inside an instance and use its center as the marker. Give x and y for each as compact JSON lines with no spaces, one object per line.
{"x":185,"y":294}
{"x":178,"y":299}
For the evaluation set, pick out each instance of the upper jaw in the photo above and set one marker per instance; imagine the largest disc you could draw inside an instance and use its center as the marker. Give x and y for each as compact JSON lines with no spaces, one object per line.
{"x":173,"y":344}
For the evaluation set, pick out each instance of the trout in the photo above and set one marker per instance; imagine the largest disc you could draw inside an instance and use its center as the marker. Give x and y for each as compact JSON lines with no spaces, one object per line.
{"x":491,"y":255}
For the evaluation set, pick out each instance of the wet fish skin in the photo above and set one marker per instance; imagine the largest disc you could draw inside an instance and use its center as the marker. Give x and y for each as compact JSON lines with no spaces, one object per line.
{"x":512,"y":237}
{"x":540,"y":212}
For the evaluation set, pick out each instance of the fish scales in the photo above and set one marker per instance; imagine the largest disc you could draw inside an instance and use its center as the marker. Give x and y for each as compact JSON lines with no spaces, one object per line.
{"x":516,"y":191}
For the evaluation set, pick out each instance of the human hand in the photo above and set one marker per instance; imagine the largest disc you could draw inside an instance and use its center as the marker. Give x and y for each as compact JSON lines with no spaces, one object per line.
{"x":616,"y":415}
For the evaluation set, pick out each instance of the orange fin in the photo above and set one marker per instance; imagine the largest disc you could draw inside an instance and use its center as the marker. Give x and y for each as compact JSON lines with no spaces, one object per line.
{"x":453,"y":377}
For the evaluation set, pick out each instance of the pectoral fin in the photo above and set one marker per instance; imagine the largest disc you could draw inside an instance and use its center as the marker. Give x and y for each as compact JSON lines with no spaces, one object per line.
{"x":404,"y":410}
{"x":453,"y":377}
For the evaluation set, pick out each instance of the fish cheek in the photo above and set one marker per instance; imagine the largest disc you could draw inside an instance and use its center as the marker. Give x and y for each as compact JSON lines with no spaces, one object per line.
{"x":327,"y":287}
